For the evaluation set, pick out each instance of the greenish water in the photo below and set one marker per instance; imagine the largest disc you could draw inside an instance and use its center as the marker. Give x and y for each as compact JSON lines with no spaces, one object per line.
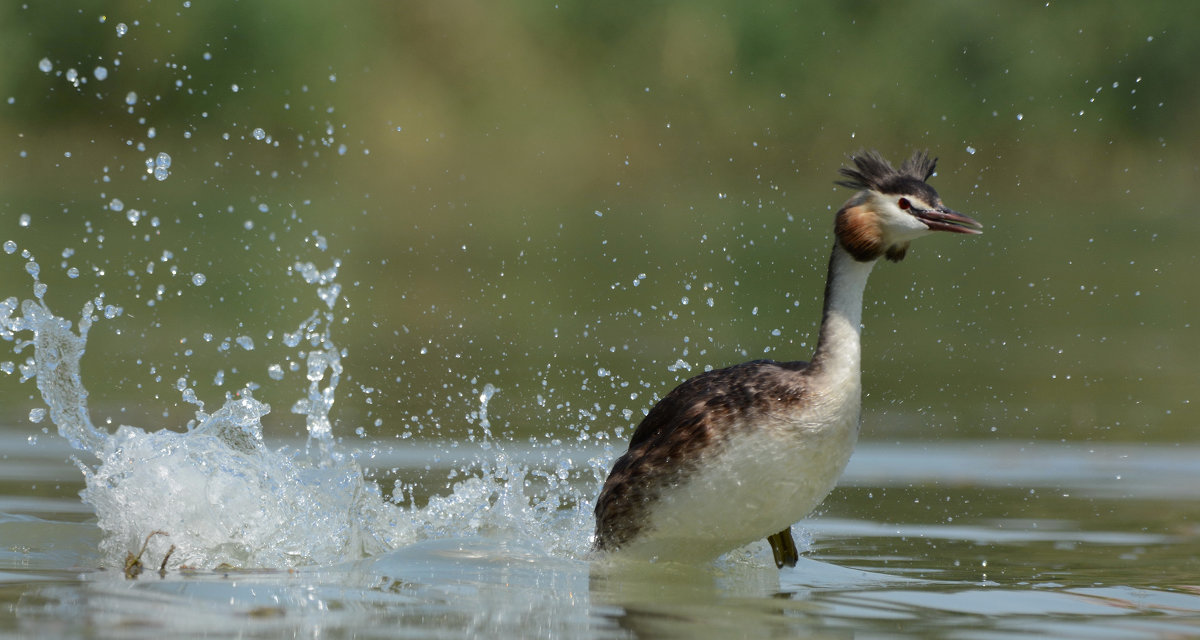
{"x":581,"y":206}
{"x":960,"y":540}
{"x":530,"y":195}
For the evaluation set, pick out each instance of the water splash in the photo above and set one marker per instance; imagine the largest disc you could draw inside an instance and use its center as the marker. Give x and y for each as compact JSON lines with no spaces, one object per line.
{"x":225,"y":497}
{"x":220,"y":492}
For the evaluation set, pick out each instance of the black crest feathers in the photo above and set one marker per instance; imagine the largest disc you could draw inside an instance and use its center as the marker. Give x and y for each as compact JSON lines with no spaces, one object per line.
{"x":872,"y":171}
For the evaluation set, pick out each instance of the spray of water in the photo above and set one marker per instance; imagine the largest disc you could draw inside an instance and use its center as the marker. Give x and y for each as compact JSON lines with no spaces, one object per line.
{"x":224,"y":496}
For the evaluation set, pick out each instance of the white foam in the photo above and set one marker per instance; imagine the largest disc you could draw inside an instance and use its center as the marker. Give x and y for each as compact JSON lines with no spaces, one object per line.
{"x":224,"y":496}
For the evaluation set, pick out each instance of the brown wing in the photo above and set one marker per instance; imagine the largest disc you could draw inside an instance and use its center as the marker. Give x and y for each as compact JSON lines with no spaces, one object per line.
{"x":688,"y":424}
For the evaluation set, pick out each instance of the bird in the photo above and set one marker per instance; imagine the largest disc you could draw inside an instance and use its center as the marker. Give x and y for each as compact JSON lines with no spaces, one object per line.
{"x":734,"y":455}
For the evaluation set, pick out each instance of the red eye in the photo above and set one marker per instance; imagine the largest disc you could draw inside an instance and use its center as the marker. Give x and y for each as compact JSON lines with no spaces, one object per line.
{"x":904,"y":203}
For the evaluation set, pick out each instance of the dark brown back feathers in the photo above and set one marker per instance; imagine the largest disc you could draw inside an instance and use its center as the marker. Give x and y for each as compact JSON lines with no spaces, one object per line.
{"x":685,"y":428}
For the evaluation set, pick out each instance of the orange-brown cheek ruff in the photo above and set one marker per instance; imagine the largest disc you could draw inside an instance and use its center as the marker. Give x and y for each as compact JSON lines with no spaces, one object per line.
{"x":857,"y":229}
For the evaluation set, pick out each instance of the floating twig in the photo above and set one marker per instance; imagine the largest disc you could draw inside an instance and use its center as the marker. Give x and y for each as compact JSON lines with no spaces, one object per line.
{"x":133,"y":564}
{"x":162,"y":568}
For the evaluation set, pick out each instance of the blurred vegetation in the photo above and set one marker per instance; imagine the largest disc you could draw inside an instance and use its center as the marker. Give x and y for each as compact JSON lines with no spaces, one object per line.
{"x":581,"y":203}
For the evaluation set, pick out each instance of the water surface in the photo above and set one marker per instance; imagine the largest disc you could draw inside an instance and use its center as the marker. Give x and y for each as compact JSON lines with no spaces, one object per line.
{"x":459,"y":248}
{"x":961,"y":540}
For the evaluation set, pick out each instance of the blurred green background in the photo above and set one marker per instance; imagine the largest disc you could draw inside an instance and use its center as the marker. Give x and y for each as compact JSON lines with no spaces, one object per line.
{"x":583,"y":204}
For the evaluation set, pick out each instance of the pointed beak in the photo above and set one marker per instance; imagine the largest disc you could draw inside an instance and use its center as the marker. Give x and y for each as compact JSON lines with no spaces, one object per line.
{"x":943,"y":219}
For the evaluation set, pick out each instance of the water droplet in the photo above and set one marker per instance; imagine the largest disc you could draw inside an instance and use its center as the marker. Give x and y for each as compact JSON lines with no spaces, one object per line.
{"x":10,"y":247}
{"x":72,"y":76}
{"x":101,"y":73}
{"x":122,"y":29}
{"x":275,"y":372}
{"x":245,"y":342}
{"x":24,"y":220}
{"x":198,"y":279}
{"x":329,"y":294}
{"x":1020,"y":116}
{"x":159,"y":166}
{"x":45,"y":65}
{"x":133,"y":215}
{"x":680,"y":365}
{"x":970,"y":150}
{"x":235,"y":88}
{"x":116,"y":204}
{"x":131,"y":98}
{"x":37,"y":415}
{"x":258,"y":133}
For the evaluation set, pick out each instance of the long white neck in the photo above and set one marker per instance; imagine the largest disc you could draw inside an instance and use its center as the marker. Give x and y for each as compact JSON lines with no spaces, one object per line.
{"x":837,"y":362}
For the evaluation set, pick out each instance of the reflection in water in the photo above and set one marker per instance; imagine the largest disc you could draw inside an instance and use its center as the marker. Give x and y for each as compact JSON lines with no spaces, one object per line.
{"x":920,"y":576}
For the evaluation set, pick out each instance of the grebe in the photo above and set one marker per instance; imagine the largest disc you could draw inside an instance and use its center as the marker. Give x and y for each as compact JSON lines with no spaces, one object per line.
{"x":737,"y":454}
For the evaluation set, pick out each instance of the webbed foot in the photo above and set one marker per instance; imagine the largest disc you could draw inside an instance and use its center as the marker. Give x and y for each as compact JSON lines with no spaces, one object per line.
{"x":784,"y":548}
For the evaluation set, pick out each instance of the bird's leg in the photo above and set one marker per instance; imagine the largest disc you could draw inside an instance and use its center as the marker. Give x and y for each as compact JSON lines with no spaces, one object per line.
{"x":784,"y":548}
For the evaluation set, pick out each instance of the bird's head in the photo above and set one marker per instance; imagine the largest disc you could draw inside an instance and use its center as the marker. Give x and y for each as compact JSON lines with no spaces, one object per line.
{"x":892,"y":207}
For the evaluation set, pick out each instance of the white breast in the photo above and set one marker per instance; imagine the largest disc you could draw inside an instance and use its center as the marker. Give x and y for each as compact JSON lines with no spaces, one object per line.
{"x":760,"y":482}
